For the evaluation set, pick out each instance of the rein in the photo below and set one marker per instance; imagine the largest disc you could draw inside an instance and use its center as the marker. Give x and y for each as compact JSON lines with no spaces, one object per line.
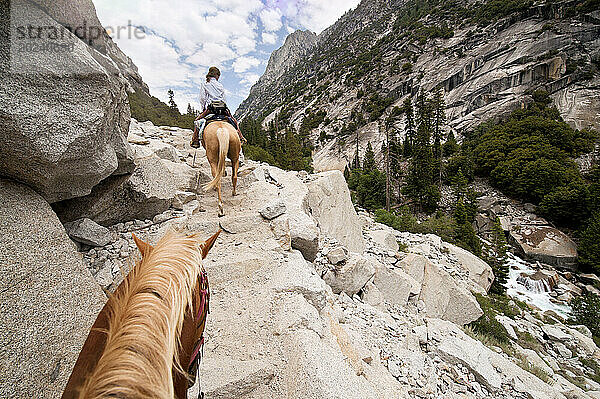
{"x":201,"y":310}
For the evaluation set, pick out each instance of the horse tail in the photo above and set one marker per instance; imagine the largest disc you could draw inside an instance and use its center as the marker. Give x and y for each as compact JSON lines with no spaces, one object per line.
{"x":223,"y":137}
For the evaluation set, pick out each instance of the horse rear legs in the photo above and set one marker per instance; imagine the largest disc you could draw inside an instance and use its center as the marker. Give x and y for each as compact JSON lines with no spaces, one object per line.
{"x":234,"y":174}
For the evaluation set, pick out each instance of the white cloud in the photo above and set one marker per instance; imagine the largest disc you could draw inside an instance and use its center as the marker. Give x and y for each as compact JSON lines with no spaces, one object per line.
{"x":187,"y":36}
{"x":212,"y":54}
{"x":316,"y":15}
{"x":249,"y":79}
{"x":271,"y":19}
{"x":269,"y":38}
{"x":157,"y":61}
{"x":242,"y":64}
{"x":243,"y":45}
{"x":183,"y":98}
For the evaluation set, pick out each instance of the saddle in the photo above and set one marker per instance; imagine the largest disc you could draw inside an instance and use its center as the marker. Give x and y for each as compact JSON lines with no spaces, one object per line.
{"x":219,"y":112}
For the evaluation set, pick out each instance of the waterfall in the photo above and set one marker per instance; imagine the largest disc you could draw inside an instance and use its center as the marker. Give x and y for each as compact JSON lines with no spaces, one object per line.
{"x":533,"y":285}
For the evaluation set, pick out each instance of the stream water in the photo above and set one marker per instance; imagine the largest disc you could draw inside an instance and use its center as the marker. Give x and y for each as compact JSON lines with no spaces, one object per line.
{"x":532,"y":292}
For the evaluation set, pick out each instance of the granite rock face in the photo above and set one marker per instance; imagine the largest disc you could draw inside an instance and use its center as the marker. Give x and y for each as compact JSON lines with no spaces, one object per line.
{"x":64,"y":119}
{"x":545,"y":244}
{"x":150,"y":190}
{"x":88,"y":232}
{"x":330,"y":204}
{"x":485,"y":73}
{"x":442,"y":296}
{"x":350,"y":276}
{"x":48,"y":299}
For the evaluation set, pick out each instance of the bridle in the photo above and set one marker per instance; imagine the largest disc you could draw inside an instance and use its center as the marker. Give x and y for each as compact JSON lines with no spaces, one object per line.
{"x":201,"y":310}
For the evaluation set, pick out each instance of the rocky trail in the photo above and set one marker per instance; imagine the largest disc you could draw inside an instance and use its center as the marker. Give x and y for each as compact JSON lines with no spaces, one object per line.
{"x":310,"y":299}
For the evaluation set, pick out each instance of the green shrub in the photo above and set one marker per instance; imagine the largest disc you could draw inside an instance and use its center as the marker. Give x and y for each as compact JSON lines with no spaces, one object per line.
{"x":258,"y":154}
{"x":567,"y":205}
{"x":369,"y":188}
{"x":529,"y":157}
{"x":402,"y":220}
{"x":585,"y":310}
{"x":487,"y":324}
{"x":589,"y":247}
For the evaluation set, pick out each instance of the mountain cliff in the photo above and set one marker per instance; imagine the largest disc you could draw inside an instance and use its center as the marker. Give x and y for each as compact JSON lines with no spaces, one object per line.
{"x":296,"y":46}
{"x":486,"y":56}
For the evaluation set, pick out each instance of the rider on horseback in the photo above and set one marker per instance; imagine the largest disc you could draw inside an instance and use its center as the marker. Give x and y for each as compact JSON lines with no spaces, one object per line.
{"x":210,"y":92}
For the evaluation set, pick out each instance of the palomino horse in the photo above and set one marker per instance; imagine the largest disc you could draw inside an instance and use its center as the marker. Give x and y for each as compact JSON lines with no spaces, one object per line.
{"x":221,"y":141}
{"x":150,"y":327}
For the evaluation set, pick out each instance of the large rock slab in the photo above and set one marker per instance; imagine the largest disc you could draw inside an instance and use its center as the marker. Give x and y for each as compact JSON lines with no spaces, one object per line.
{"x":545,"y":244}
{"x":395,"y":285}
{"x":443,"y":297}
{"x":315,"y":369}
{"x":233,"y":378}
{"x":489,"y":368}
{"x":48,"y":299}
{"x":186,"y":178}
{"x":305,"y":237}
{"x":479,"y":271}
{"x":273,"y":210}
{"x":350,"y":276}
{"x":385,"y":239}
{"x":82,"y":13}
{"x":294,"y":194}
{"x":142,"y":195}
{"x":296,"y":275}
{"x":67,"y":116}
{"x":330,"y":204}
{"x":88,"y":232}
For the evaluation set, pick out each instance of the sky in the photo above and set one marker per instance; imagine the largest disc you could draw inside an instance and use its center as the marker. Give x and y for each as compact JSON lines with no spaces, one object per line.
{"x":181,"y":39}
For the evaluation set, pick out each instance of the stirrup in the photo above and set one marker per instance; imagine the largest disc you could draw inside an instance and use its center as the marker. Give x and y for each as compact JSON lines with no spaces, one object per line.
{"x":195,"y":144}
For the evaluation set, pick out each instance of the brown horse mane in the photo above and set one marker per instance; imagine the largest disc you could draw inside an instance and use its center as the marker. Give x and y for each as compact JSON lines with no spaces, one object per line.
{"x":145,"y":321}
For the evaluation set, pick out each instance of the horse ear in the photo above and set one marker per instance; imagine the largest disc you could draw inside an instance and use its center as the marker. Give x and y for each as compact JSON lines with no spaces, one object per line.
{"x":208,"y":244}
{"x":144,"y":247}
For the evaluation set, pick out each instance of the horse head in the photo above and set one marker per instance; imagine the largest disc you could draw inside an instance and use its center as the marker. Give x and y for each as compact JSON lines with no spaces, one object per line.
{"x":148,"y":324}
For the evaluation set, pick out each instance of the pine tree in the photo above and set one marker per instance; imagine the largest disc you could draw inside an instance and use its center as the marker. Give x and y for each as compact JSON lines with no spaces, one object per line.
{"x":172,"y":103}
{"x":394,"y":155}
{"x":497,"y":259}
{"x":356,"y":160}
{"x":409,"y":131}
{"x":589,"y":250}
{"x":439,"y":118}
{"x":272,"y":144}
{"x":369,"y":161}
{"x":450,"y":147}
{"x":346,"y":173}
{"x":190,"y":110}
{"x":460,"y":185}
{"x":464,"y":234}
{"x":420,"y":185}
{"x":293,"y":151}
{"x":304,"y":131}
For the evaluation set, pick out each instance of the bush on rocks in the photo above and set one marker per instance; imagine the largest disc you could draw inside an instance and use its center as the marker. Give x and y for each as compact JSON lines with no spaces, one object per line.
{"x":586,"y":309}
{"x":487,"y":324}
{"x":589,"y":250}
